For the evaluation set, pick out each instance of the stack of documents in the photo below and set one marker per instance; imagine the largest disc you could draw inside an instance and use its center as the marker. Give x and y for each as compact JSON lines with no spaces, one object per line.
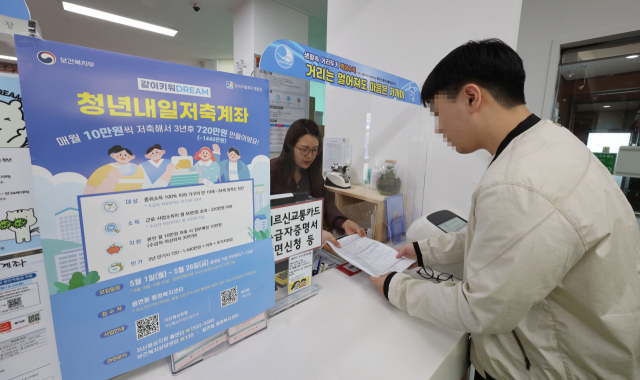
{"x":371,"y":256}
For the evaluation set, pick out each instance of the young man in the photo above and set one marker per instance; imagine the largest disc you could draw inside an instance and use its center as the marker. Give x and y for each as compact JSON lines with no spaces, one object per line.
{"x":232,"y":169}
{"x":157,"y":170}
{"x":551,"y":287}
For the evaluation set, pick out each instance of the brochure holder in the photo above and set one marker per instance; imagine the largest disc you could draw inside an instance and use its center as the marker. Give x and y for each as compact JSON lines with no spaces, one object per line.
{"x":294,"y":299}
{"x":217,"y":344}
{"x":210,"y":347}
{"x":395,"y":218}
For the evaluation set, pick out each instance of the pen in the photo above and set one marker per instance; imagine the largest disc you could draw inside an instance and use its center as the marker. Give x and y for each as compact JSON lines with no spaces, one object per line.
{"x":319,"y":261}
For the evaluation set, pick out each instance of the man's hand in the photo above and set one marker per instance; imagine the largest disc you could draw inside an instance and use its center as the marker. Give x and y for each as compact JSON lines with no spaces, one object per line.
{"x":409,"y":252}
{"x":350,"y":227}
{"x":379,"y":282}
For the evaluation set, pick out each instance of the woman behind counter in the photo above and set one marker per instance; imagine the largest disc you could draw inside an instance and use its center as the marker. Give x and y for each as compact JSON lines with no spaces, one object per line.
{"x":299,"y":169}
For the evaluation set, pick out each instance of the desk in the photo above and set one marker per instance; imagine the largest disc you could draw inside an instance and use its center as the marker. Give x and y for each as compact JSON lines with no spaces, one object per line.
{"x":356,"y":194}
{"x":347,"y":331}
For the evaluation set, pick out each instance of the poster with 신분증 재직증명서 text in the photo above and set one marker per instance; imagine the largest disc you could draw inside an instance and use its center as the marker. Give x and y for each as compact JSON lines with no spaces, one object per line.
{"x":152,"y":190}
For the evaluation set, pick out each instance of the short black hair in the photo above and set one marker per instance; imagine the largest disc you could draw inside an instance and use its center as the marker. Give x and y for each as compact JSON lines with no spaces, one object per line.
{"x":118,"y":149}
{"x":490,"y":64}
{"x":232,"y":149}
{"x":157,"y":146}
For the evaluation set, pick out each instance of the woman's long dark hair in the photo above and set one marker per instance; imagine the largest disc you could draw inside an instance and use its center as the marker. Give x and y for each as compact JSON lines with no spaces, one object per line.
{"x":298,"y":129}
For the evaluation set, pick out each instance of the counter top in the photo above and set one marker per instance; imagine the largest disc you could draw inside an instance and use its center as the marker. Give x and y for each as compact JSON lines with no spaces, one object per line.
{"x":347,"y":331}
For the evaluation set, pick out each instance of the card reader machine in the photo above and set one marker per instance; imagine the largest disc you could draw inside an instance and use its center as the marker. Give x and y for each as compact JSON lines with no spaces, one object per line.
{"x":434,"y":225}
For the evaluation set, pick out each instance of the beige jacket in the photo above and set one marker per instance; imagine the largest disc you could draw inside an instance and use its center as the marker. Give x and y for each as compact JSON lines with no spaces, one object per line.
{"x":551,"y":258}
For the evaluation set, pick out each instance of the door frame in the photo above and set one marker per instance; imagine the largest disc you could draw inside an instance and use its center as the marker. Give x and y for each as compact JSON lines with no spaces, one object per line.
{"x":597,"y":36}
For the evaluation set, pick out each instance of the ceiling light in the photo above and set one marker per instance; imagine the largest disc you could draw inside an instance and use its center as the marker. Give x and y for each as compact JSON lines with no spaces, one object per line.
{"x":633,"y":56}
{"x":606,"y":106}
{"x":7,"y":57}
{"x":117,"y":19}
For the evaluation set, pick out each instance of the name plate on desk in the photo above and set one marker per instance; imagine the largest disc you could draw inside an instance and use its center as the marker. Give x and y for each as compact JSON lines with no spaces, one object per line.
{"x":296,"y":228}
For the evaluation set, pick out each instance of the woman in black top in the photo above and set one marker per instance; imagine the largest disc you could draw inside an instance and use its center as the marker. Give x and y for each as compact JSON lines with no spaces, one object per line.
{"x":299,"y":169}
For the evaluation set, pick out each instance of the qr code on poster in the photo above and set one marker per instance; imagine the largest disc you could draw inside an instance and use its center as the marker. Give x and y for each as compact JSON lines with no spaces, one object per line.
{"x":34,"y":318}
{"x":147,"y":326}
{"x":229,"y":296}
{"x":14,"y":303}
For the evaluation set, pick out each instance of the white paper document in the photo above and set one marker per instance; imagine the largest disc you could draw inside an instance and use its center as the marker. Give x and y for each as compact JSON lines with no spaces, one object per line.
{"x":371,"y":256}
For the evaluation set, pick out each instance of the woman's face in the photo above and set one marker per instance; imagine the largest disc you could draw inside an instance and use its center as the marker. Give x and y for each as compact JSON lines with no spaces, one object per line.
{"x":205,"y":155}
{"x":309,"y":143}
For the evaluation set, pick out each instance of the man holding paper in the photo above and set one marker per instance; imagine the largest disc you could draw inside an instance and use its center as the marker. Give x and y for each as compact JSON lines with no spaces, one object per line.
{"x":551,"y":251}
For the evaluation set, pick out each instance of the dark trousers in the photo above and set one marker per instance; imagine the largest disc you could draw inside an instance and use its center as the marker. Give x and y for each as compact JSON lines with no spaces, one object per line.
{"x":479,"y":376}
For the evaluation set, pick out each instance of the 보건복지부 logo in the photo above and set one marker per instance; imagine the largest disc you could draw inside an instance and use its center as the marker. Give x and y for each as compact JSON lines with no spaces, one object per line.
{"x":46,"y":57}
{"x":230,"y":85}
{"x":284,"y":56}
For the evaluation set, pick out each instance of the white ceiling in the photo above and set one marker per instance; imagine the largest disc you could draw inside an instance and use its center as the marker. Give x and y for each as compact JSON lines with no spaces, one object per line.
{"x":207,"y":34}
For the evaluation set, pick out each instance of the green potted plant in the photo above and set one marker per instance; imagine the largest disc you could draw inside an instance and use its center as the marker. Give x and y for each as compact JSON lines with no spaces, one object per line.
{"x":388,"y":182}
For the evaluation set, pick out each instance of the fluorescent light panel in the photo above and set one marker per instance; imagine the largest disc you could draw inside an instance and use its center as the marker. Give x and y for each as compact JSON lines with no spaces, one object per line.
{"x":117,"y":19}
{"x":633,"y":56}
{"x":10,"y":58}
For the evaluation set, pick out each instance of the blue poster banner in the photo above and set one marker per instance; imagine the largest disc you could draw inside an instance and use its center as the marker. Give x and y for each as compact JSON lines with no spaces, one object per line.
{"x":300,"y":61}
{"x":152,"y":185}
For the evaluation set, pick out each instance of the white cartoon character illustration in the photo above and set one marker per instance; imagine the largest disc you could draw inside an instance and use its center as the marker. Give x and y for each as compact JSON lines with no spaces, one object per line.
{"x":20,"y":222}
{"x":12,"y":128}
{"x":110,"y":206}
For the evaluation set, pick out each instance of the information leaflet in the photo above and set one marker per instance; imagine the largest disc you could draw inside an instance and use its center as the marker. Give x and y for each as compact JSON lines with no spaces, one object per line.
{"x":152,"y":187}
{"x":19,"y":228}
{"x":288,"y":102}
{"x":27,"y":339}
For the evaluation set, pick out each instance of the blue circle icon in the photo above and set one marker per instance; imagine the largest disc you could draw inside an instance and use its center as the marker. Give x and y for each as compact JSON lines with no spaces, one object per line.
{"x":46,"y":57}
{"x":277,"y":97}
{"x":284,"y":56}
{"x":112,"y":229}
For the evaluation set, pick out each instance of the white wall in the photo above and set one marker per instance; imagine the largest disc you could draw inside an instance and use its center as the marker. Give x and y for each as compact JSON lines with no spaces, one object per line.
{"x":225,"y":65}
{"x":243,"y":35}
{"x":275,"y":21}
{"x":257,"y":23}
{"x":408,"y":38}
{"x":542,"y":21}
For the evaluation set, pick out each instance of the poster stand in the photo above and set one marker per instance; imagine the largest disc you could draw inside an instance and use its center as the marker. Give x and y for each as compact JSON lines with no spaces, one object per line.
{"x":10,"y":26}
{"x":285,"y":209}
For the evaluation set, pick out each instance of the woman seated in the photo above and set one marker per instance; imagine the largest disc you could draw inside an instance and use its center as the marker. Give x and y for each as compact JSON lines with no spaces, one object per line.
{"x":299,"y":169}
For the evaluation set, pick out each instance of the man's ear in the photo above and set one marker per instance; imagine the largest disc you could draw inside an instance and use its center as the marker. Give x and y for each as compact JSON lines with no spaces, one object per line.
{"x":113,"y":155}
{"x":148,"y":155}
{"x":473,"y":97}
{"x":133,"y":157}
